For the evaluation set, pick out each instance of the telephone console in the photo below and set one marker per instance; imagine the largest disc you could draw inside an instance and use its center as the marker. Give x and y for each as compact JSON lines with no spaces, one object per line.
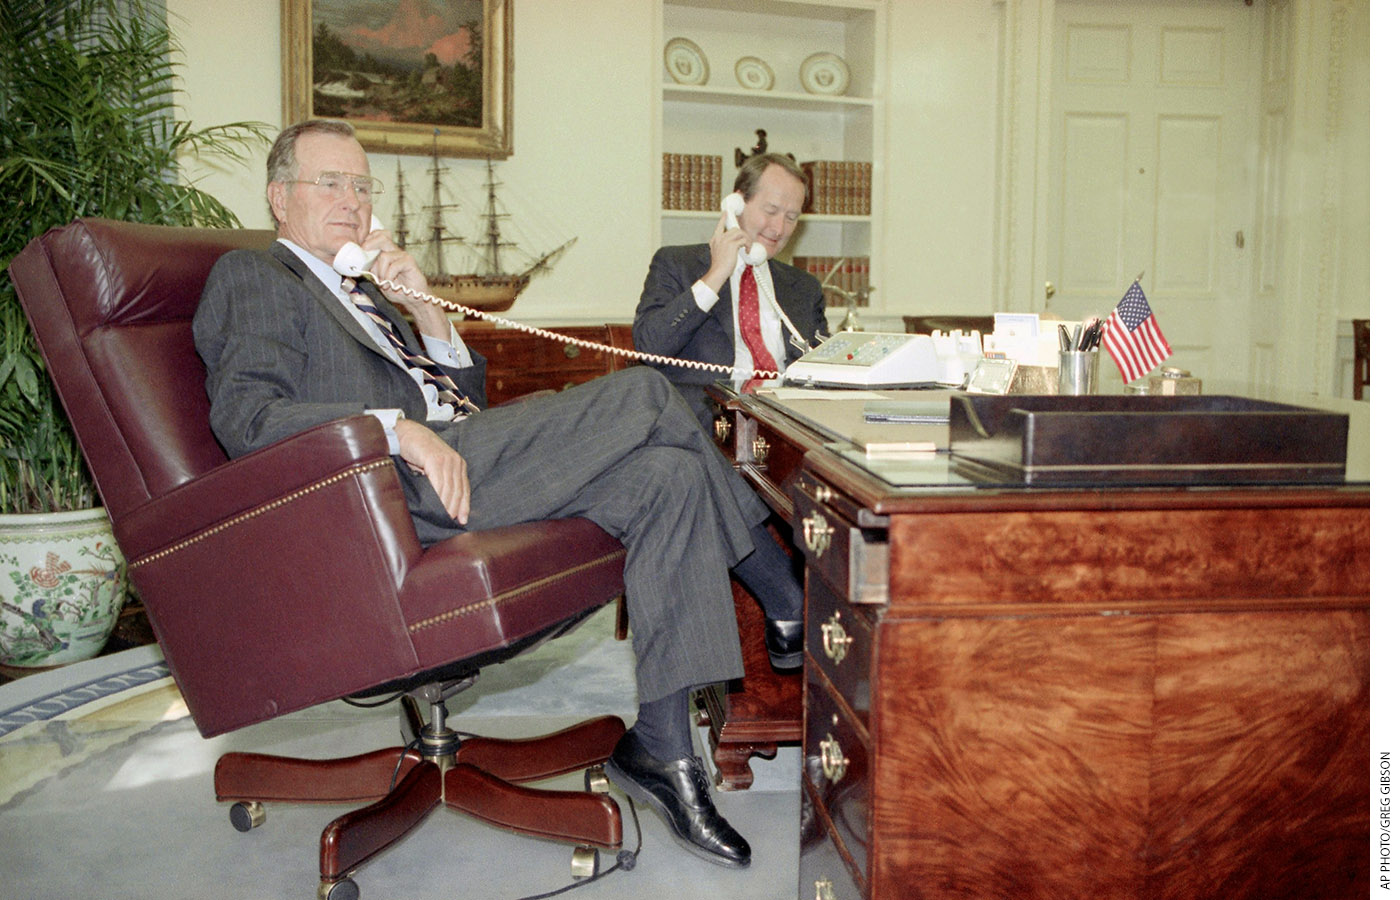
{"x":871,"y":359}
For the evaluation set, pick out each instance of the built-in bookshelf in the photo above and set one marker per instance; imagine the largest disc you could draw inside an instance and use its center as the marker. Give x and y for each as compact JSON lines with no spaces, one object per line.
{"x":722,"y":114}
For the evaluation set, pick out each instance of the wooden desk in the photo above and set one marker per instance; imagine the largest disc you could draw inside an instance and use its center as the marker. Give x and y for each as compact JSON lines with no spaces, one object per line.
{"x":1109,"y":693}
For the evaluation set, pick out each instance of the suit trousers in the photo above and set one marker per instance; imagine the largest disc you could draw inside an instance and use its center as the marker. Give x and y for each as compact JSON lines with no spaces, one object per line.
{"x":625,"y":452}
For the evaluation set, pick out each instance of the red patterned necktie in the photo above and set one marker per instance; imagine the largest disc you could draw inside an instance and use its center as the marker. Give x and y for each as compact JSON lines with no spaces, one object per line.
{"x":446,"y":388}
{"x":750,"y":329}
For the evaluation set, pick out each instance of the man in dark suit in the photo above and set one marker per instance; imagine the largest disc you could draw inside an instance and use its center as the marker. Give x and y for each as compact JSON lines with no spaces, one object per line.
{"x":703,"y":302}
{"x":288,"y":344}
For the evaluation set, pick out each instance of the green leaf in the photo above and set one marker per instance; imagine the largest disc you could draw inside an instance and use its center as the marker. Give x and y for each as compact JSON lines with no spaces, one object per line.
{"x":88,"y":126}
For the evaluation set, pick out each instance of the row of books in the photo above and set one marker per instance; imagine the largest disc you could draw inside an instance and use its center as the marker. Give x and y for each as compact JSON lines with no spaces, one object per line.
{"x":837,"y":188}
{"x":834,"y":187}
{"x":691,"y":181}
{"x":854,"y":276}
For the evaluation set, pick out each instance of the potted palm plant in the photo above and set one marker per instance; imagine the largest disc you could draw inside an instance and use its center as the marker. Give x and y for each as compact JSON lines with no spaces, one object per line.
{"x":88,"y":127}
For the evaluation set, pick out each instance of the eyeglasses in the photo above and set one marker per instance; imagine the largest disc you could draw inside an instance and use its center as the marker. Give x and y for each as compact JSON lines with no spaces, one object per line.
{"x":333,"y":183}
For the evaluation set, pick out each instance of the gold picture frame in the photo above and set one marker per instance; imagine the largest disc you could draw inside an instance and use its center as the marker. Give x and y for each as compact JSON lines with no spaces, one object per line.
{"x":471,"y":124}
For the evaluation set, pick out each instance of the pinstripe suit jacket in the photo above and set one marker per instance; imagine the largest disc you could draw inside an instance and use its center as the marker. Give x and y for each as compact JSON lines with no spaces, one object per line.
{"x":284,"y":354}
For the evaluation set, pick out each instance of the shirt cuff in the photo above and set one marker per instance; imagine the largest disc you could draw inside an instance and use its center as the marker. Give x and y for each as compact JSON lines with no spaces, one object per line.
{"x":704,"y":297}
{"x":389,"y":418}
{"x":451,"y":352}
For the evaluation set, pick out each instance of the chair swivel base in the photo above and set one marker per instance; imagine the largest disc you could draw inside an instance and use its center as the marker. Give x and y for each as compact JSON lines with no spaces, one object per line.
{"x":483,"y":778}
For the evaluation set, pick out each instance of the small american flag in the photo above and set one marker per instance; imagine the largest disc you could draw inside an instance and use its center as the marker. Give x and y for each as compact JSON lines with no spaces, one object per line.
{"x":1132,"y":337}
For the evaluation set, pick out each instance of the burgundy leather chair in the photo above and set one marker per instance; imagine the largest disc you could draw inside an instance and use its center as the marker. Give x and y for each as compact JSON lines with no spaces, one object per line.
{"x":292,"y":576}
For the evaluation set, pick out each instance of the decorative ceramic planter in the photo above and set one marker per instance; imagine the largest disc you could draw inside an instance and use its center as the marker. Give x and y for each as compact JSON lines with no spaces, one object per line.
{"x":62,"y":585}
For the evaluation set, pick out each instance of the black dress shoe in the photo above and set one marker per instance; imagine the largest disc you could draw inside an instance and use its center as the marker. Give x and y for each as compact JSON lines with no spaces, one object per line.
{"x":784,"y":640}
{"x":679,"y":791}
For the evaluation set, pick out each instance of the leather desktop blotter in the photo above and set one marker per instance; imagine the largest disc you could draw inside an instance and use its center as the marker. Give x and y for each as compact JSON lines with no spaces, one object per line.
{"x":1145,"y":440}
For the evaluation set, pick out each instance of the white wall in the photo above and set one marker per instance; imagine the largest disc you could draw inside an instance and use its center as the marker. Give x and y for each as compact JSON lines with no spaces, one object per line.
{"x":230,"y":68}
{"x":941,"y":156}
{"x":583,"y":150}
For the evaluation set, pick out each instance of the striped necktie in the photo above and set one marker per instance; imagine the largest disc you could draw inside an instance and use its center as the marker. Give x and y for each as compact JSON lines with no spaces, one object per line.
{"x":447,"y":390}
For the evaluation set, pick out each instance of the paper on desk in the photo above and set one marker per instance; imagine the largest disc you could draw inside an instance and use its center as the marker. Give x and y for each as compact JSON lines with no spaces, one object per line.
{"x":798,"y":393}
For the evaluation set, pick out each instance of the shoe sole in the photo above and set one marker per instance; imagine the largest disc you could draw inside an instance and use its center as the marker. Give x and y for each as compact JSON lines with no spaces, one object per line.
{"x":637,"y":792}
{"x":787,"y":662}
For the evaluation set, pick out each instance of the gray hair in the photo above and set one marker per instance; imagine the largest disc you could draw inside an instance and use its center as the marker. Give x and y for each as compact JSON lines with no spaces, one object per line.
{"x":282,"y":158}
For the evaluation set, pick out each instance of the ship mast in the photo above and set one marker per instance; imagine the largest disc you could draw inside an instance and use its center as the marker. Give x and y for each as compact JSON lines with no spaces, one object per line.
{"x":401,"y":215}
{"x":492,"y":243}
{"x":437,"y":228}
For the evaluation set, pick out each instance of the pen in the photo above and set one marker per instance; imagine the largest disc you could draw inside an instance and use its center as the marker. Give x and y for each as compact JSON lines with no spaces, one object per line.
{"x":1089,"y":338}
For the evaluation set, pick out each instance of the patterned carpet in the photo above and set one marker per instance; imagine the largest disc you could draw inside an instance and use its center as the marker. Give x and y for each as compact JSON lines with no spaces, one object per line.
{"x":106,"y":790}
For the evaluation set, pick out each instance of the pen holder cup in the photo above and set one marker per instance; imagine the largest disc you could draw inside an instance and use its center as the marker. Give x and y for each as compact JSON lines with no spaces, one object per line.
{"x":1079,"y":372}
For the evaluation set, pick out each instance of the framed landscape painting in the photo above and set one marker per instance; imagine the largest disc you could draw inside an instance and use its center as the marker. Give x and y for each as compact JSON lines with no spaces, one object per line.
{"x":406,"y":75}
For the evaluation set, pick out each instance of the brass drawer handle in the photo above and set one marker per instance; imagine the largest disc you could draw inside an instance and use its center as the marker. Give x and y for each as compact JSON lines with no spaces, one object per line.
{"x":817,"y":533}
{"x":822,"y":493}
{"x":760,"y":451}
{"x":722,"y":429}
{"x":571,"y":351}
{"x":835,"y":640}
{"x":834,"y":762}
{"x":826,"y":890}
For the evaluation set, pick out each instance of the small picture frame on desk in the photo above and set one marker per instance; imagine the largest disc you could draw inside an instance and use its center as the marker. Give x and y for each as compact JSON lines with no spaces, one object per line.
{"x":448,"y":96}
{"x":992,"y":376}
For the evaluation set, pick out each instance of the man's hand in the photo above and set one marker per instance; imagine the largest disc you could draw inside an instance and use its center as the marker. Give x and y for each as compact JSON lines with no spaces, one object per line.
{"x":445,"y":469}
{"x":724,"y":254}
{"x":399,"y":266}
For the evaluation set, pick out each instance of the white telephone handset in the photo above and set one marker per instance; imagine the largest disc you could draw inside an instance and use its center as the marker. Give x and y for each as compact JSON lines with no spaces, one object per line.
{"x":732,"y":206}
{"x":353,"y":261}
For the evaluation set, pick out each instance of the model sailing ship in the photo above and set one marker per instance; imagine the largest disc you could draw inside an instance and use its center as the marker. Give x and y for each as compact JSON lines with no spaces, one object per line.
{"x":490,"y":288}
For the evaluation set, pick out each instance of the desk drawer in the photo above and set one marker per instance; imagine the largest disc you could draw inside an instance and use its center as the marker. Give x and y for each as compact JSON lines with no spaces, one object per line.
{"x":822,"y":871}
{"x":509,"y":349}
{"x":841,"y":638}
{"x":837,"y":763}
{"x":857,"y":564}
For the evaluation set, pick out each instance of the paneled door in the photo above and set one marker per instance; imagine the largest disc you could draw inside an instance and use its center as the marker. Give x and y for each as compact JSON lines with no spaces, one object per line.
{"x":1153,"y":134}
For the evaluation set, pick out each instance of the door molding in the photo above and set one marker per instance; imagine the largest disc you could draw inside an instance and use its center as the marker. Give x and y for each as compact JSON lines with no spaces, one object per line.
{"x":1022,"y":192}
{"x":1320,"y":252}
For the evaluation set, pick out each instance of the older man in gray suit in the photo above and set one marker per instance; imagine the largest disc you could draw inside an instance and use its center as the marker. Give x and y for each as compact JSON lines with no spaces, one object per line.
{"x":289,"y":344}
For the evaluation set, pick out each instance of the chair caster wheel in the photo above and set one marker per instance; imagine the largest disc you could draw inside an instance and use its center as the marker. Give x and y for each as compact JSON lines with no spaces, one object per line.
{"x":595,"y":780}
{"x":584,"y":864}
{"x":247,"y":815}
{"x":344,"y":889}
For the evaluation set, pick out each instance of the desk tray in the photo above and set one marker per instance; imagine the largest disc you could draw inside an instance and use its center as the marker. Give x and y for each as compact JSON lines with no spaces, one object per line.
{"x":1144,"y":440}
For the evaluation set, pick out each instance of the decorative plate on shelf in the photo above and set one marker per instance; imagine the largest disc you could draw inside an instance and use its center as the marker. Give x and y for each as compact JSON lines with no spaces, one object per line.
{"x":754,"y":74}
{"x":825,"y":73}
{"x":686,"y":61}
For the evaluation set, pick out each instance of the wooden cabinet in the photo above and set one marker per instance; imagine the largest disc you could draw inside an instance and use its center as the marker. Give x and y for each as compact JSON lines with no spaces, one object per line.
{"x":519,"y":362}
{"x":1120,"y":693}
{"x":720,"y":115}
